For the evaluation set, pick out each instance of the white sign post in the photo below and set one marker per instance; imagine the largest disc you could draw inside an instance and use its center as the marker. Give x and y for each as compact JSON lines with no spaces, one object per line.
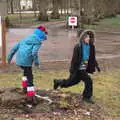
{"x":72,"y":21}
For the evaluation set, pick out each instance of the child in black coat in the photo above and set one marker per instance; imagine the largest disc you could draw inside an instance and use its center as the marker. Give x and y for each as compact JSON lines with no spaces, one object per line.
{"x":83,"y":62}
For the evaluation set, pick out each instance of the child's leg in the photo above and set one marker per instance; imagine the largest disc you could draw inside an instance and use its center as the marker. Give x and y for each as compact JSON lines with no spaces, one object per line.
{"x":24,"y":84}
{"x":24,"y":80}
{"x":30,"y":86}
{"x":88,"y":90}
{"x":29,"y":75}
{"x":64,"y":83}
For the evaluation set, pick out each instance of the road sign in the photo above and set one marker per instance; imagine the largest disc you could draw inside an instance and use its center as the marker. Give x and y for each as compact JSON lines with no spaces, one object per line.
{"x":72,"y":21}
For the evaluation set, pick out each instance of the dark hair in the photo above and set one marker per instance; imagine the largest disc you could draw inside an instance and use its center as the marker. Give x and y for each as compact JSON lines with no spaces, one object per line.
{"x":84,"y":33}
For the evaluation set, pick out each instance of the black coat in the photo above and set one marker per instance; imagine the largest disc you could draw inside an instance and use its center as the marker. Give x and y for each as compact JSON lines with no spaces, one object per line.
{"x":77,"y":57}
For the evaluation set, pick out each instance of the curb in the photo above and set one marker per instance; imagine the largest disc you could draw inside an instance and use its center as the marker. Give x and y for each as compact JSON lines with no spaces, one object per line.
{"x":106,"y":32}
{"x":49,"y":23}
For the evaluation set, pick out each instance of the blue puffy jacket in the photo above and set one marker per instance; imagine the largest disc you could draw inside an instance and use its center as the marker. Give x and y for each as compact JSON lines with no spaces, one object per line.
{"x":27,"y":49}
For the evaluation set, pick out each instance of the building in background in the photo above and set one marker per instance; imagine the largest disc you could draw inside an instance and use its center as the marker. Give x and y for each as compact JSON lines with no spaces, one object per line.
{"x":26,"y":4}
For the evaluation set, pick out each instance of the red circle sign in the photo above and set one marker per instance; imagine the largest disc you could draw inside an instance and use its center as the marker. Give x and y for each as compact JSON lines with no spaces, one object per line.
{"x":72,"y":20}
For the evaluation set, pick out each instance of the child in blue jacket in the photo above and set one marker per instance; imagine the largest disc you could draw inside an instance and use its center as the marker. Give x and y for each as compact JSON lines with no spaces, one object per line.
{"x":26,"y":54}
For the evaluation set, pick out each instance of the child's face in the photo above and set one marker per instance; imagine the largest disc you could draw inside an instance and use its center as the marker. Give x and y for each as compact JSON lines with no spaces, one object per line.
{"x":87,"y":39}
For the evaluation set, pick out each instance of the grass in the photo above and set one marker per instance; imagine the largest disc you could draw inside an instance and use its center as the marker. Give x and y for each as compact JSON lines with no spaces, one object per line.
{"x":28,"y":19}
{"x":106,"y":24}
{"x":106,"y":86}
{"x":90,"y":26}
{"x":114,"y":21}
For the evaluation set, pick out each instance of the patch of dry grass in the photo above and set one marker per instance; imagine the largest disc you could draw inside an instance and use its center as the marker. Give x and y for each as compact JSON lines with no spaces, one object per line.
{"x":106,"y":86}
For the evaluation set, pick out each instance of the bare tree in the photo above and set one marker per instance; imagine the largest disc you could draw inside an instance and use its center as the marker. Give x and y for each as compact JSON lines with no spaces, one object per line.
{"x":55,"y":13}
{"x":42,"y":7}
{"x":20,"y":15}
{"x":34,"y":7}
{"x":11,"y":6}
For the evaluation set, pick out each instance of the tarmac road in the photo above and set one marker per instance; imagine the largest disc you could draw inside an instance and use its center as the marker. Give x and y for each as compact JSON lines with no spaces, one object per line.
{"x":58,"y":46}
{"x":60,"y":43}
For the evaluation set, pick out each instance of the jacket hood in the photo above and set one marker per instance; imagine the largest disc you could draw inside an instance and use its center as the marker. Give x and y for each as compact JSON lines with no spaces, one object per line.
{"x":40,"y":34}
{"x":83,"y":33}
{"x":36,"y":37}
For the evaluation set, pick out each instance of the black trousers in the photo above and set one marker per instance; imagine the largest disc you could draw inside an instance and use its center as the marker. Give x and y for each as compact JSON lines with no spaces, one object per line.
{"x":27,"y":71}
{"x":76,"y":78}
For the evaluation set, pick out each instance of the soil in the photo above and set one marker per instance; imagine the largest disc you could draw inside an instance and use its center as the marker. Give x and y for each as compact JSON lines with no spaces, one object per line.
{"x":65,"y":106}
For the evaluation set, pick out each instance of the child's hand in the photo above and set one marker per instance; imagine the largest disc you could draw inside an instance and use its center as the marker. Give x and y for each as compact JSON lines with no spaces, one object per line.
{"x":36,"y":61}
{"x":8,"y":59}
{"x":37,"y":66}
{"x":98,"y":68}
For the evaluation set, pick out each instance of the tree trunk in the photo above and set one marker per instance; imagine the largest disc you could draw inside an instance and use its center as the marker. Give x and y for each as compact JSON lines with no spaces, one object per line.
{"x":34,"y":7}
{"x":11,"y":6}
{"x":55,"y":14}
{"x":20,"y":15}
{"x":42,"y":5}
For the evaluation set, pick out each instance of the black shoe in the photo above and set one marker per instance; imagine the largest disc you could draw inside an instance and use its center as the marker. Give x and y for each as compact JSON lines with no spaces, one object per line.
{"x":35,"y":101}
{"x":56,"y":84}
{"x":88,"y":100}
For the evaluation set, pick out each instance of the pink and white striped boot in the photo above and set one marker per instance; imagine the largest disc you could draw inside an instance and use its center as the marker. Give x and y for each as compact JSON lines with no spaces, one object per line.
{"x":31,"y":99}
{"x":24,"y":84}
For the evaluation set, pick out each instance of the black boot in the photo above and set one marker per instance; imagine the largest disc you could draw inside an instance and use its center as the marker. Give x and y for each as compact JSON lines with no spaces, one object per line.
{"x":88,"y":100}
{"x":57,"y":83}
{"x":32,"y":100}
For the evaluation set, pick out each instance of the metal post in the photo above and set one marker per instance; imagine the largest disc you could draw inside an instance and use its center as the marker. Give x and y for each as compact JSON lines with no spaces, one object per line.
{"x":3,"y":43}
{"x":3,"y":14}
{"x":72,"y":27}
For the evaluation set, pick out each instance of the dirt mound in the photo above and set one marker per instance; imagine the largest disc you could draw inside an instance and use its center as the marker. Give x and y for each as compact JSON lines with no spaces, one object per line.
{"x":64,"y":105}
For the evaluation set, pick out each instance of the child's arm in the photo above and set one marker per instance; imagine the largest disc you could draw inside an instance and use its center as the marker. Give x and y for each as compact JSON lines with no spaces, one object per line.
{"x":96,"y":63}
{"x":35,"y":54}
{"x":97,"y":66}
{"x":12,"y":52}
{"x":74,"y":61}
